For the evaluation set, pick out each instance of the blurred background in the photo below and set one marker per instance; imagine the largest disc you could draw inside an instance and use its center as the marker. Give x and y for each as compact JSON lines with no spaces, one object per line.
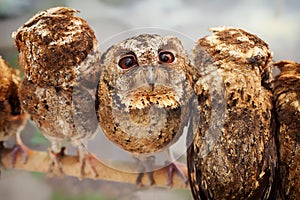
{"x":275,"y":21}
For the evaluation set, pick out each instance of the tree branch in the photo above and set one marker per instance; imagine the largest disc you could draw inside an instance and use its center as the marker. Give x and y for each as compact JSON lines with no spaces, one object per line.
{"x":38,"y":161}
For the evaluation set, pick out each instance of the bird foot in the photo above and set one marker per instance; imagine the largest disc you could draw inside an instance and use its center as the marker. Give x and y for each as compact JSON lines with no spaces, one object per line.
{"x":87,"y":160}
{"x":1,"y":148}
{"x":140,"y":176}
{"x":55,"y":161}
{"x":145,"y":165}
{"x":180,"y":169}
{"x":19,"y":149}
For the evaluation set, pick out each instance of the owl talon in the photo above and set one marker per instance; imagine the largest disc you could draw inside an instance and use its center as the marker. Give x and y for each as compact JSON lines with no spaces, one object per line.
{"x":19,"y":148}
{"x":1,"y":148}
{"x":150,"y":177}
{"x":86,"y":159}
{"x":145,"y":165}
{"x":55,"y":160}
{"x":138,"y":181}
{"x":180,"y":169}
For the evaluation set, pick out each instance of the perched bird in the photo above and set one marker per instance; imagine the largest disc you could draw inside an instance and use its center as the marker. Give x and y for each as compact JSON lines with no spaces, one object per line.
{"x":12,"y":120}
{"x":58,"y":52}
{"x":287,"y":105}
{"x":233,"y":151}
{"x":143,"y":95}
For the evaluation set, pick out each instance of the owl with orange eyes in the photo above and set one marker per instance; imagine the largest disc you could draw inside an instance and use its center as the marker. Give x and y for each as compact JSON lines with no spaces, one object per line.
{"x":144,"y":96}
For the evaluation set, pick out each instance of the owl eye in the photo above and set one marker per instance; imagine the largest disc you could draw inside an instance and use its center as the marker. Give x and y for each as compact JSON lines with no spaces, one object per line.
{"x":166,"y":57}
{"x":127,"y":62}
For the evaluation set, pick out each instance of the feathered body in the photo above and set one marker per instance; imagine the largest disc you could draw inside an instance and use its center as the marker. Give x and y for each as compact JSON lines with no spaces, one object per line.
{"x":12,"y":120}
{"x":233,"y":153}
{"x":143,"y":93}
{"x":59,"y":55}
{"x":55,"y":52}
{"x":287,"y":105}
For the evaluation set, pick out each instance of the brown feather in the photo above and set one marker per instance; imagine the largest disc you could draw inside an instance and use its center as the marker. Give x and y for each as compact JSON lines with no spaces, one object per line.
{"x":287,"y":105}
{"x":233,"y":154}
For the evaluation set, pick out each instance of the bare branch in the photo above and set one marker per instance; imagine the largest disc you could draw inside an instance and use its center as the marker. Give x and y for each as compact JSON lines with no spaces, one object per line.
{"x":38,"y":161}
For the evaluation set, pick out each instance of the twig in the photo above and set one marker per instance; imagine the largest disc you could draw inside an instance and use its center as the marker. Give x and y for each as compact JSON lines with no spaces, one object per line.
{"x":38,"y":161}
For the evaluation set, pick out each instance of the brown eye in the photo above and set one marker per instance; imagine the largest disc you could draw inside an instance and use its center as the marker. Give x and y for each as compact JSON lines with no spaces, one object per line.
{"x":127,"y":62}
{"x":166,"y":57}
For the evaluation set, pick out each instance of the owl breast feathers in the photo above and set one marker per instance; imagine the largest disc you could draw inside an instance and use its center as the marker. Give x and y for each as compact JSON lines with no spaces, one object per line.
{"x":143,"y":95}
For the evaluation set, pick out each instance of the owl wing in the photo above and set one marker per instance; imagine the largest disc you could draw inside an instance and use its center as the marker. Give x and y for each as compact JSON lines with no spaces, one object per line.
{"x":11,"y":119}
{"x":233,"y":152}
{"x":287,"y":98}
{"x":60,"y":57}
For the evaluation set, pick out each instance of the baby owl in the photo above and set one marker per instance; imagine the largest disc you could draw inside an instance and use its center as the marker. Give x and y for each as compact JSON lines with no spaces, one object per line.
{"x":143,"y":94}
{"x":58,"y":52}
{"x":287,"y":105}
{"x":12,"y":120}
{"x":233,"y":152}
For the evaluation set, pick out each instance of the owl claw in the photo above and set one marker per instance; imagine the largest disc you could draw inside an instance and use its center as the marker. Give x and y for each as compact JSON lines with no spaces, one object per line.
{"x":19,"y":148}
{"x":55,"y":160}
{"x":145,"y":165}
{"x":180,"y":169}
{"x":138,"y":181}
{"x":1,"y":148}
{"x":86,"y":159}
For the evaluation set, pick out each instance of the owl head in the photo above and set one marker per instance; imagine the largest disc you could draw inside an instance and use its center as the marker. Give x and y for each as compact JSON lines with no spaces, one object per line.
{"x":54,"y":47}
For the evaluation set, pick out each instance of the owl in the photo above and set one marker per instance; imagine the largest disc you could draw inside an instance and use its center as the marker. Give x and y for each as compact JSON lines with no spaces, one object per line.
{"x":12,"y":120}
{"x":143,"y":95}
{"x":233,"y":151}
{"x":287,"y":106}
{"x":58,"y":52}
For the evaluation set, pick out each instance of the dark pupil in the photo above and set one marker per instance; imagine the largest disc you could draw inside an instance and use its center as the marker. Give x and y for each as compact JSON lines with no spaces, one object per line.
{"x":129,"y":62}
{"x":164,"y":57}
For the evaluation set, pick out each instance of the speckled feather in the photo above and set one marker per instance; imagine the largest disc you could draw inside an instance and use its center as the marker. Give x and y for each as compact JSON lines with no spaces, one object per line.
{"x":287,"y":105}
{"x":233,"y":155}
{"x":12,"y":120}
{"x":138,"y":118}
{"x":59,"y":55}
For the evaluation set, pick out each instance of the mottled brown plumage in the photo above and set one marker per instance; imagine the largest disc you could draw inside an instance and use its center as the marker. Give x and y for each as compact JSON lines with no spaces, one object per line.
{"x":58,"y":52}
{"x":233,"y":155}
{"x":287,"y":105}
{"x":12,"y":120}
{"x":143,"y":94}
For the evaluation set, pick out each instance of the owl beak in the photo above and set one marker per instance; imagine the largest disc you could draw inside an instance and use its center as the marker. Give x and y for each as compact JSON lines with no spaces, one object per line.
{"x":150,"y":76}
